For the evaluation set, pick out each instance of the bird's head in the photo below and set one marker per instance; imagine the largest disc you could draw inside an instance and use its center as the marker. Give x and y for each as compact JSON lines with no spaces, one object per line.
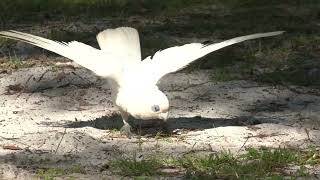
{"x":143,"y":103}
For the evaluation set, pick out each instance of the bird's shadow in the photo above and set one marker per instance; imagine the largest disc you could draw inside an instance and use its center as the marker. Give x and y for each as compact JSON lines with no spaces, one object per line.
{"x":153,"y":127}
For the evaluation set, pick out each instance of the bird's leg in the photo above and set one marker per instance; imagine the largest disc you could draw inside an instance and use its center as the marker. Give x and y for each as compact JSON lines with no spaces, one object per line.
{"x":126,"y":128}
{"x":165,"y":126}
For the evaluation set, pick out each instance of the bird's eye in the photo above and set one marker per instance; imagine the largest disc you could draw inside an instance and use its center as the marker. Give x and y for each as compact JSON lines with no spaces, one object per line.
{"x":155,"y":108}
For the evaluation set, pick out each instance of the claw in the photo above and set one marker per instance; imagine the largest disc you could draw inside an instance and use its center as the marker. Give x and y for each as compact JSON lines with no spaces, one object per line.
{"x":126,"y":130}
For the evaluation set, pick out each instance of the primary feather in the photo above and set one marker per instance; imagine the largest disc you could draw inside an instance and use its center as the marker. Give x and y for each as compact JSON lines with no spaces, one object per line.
{"x":175,"y":58}
{"x":105,"y":64}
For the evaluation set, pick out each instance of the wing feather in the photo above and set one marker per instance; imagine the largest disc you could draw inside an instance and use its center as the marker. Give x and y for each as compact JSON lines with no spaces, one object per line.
{"x":175,"y":58}
{"x":122,"y":41}
{"x":98,"y":61}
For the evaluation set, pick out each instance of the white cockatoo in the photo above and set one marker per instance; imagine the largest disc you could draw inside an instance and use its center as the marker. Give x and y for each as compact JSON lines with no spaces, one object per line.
{"x":133,"y":81}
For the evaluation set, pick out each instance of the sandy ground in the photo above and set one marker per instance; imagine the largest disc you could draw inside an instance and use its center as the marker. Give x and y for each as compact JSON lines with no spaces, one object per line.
{"x":64,"y":117}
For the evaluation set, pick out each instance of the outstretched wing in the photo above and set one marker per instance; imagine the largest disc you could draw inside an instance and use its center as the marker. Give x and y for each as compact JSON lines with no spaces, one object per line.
{"x":122,"y":41}
{"x":175,"y":58}
{"x":98,"y":61}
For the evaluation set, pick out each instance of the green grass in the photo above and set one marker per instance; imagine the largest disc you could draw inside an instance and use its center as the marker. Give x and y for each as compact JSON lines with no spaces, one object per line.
{"x":14,"y":62}
{"x":132,"y":166}
{"x":263,"y":163}
{"x":223,"y":74}
{"x":52,"y":173}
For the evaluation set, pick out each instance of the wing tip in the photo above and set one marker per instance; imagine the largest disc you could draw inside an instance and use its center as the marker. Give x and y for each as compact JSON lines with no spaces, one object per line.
{"x":6,"y":32}
{"x":278,"y":32}
{"x":274,"y":33}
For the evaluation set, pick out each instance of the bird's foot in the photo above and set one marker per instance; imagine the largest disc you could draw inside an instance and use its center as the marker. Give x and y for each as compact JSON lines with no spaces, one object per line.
{"x":165,"y":127}
{"x":126,"y":130}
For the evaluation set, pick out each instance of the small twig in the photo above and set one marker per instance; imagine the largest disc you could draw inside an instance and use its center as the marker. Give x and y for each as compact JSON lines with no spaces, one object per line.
{"x":28,"y":80}
{"x":13,"y":139}
{"x":65,"y":130}
{"x":79,"y":141}
{"x":308,"y":134}
{"x":193,"y":146}
{"x":51,"y":87}
{"x":25,"y":85}
{"x":210,"y":148}
{"x":12,"y":147}
{"x":42,"y":75}
{"x":85,"y":79}
{"x":77,"y":109}
{"x":245,"y":142}
{"x":269,"y":135}
{"x":215,"y":129}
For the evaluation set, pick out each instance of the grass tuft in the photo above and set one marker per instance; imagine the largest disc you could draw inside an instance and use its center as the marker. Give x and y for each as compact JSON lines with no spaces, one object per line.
{"x":263,"y":163}
{"x":52,"y":173}
{"x":136,"y":166}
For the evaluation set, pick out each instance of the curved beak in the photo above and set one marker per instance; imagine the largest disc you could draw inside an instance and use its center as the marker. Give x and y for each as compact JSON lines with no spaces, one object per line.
{"x":164,"y":116}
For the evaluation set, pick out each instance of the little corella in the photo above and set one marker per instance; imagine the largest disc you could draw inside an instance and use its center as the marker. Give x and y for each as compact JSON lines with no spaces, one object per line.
{"x":133,"y":81}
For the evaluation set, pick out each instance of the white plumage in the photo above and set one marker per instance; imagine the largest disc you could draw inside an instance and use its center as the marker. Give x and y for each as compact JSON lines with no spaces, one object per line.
{"x":133,"y":81}
{"x":120,"y":39}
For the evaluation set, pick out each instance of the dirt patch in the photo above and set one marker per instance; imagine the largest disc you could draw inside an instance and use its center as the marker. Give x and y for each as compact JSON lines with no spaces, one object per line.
{"x":65,"y":117}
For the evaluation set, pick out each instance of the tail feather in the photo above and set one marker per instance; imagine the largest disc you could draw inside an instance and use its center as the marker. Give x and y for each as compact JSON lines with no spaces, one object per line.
{"x":123,"y":40}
